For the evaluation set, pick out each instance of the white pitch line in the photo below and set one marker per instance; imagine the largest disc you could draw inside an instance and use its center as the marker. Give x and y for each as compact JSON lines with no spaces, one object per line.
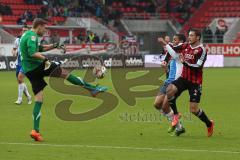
{"x":122,"y":147}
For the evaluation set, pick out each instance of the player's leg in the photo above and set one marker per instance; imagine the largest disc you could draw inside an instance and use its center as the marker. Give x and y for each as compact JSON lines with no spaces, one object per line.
{"x":159,"y":102}
{"x":168,"y":112}
{"x":35,"y":133}
{"x":24,"y":86}
{"x":20,"y":86}
{"x":179,"y":129}
{"x":36,"y":78}
{"x":195,"y":96}
{"x":38,"y":84}
{"x":37,"y":110}
{"x":173,"y":91}
{"x":94,"y":89}
{"x":161,"y":107}
{"x":160,"y":97}
{"x":57,"y":71}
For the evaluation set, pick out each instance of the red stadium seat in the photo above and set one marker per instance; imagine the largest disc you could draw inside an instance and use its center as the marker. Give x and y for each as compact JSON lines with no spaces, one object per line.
{"x":114,"y":4}
{"x":9,"y":22}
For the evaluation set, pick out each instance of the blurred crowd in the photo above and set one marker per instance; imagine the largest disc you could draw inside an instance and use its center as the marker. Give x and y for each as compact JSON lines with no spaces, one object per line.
{"x":72,"y":8}
{"x":5,"y":10}
{"x":102,"y":9}
{"x":87,"y":37}
{"x":209,"y":36}
{"x":184,"y":7}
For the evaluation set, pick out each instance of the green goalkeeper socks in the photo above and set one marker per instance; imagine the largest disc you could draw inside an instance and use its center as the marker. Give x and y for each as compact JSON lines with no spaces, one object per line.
{"x":78,"y":81}
{"x":36,"y":115}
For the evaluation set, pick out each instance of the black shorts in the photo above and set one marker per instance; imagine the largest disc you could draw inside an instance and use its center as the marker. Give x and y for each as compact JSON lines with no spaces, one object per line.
{"x":36,"y":76}
{"x":194,"y":90}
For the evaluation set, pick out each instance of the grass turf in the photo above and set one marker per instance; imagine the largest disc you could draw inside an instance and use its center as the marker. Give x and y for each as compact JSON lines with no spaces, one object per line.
{"x":127,"y":132}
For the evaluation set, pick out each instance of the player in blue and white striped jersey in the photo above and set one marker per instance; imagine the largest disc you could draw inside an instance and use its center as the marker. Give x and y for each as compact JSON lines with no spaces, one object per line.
{"x":22,"y":88}
{"x":174,"y":71}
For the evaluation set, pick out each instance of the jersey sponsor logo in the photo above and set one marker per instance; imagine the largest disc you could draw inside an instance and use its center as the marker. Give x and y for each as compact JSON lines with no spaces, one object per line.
{"x":33,"y":38}
{"x":189,"y":56}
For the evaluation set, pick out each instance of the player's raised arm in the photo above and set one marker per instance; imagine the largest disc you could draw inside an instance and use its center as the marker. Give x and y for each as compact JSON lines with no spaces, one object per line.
{"x":47,"y":47}
{"x":172,"y":52}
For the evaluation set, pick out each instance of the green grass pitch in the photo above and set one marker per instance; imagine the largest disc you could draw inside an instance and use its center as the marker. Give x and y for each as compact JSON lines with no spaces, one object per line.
{"x":119,"y":135}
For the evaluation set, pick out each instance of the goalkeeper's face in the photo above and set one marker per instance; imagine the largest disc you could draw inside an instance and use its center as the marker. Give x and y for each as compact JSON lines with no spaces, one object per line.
{"x":41,"y":30}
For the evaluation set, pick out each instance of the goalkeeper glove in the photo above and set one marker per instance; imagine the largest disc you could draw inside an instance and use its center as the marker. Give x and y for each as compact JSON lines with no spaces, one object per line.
{"x":55,"y":45}
{"x":62,"y":47}
{"x":47,"y":63}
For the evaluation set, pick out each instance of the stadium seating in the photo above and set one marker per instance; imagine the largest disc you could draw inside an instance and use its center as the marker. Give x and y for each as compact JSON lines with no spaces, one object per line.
{"x":19,"y":7}
{"x":211,"y":9}
{"x":133,"y":12}
{"x":237,"y":40}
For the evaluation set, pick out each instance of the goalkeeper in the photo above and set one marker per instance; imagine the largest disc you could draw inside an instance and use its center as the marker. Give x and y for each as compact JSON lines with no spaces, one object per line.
{"x":37,"y":66}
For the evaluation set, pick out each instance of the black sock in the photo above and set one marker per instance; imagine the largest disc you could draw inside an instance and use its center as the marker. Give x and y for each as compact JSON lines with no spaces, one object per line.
{"x":201,"y":115}
{"x":172,"y":103}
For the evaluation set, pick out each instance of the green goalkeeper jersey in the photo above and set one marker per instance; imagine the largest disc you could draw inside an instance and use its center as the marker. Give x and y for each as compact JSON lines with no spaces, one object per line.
{"x":28,"y":46}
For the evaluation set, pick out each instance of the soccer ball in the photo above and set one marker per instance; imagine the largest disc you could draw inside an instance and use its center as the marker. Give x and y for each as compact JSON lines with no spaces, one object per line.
{"x":99,"y":71}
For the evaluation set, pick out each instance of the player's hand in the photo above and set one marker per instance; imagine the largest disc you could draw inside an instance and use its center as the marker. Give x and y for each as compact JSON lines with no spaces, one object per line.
{"x":181,"y":57}
{"x":163,"y":64}
{"x":55,"y":45}
{"x":47,"y":64}
{"x":62,"y":47}
{"x":161,"y":40}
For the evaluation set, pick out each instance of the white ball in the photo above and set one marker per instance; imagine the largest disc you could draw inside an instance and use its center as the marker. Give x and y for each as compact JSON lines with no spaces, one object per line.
{"x":99,"y":71}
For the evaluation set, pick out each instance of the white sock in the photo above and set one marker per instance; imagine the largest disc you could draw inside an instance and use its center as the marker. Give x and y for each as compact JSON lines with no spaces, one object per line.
{"x":179,"y":126}
{"x":26,"y":90}
{"x":20,"y":91}
{"x":170,"y":116}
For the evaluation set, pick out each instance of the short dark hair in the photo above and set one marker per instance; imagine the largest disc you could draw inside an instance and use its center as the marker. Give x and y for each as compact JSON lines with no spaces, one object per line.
{"x":38,"y":21}
{"x":25,"y":26}
{"x":181,"y":37}
{"x":196,"y":31}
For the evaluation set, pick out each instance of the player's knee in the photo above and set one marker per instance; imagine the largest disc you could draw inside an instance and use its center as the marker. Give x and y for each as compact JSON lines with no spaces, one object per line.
{"x":157,"y":105}
{"x":39,"y":97}
{"x":194,"y":108}
{"x":165,"y":109}
{"x":20,"y":78}
{"x":171,"y":90}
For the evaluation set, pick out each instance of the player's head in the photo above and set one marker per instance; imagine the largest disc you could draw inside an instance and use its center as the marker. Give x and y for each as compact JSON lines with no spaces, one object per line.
{"x":167,"y":39}
{"x":39,"y":26}
{"x":194,"y":36}
{"x":24,"y":28}
{"x":178,"y":38}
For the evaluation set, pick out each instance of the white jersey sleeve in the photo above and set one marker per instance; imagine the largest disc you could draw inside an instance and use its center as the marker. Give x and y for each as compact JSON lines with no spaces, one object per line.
{"x":16,"y":43}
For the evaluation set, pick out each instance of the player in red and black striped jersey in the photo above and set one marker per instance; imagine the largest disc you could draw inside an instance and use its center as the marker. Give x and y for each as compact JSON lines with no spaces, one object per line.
{"x":192,"y":55}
